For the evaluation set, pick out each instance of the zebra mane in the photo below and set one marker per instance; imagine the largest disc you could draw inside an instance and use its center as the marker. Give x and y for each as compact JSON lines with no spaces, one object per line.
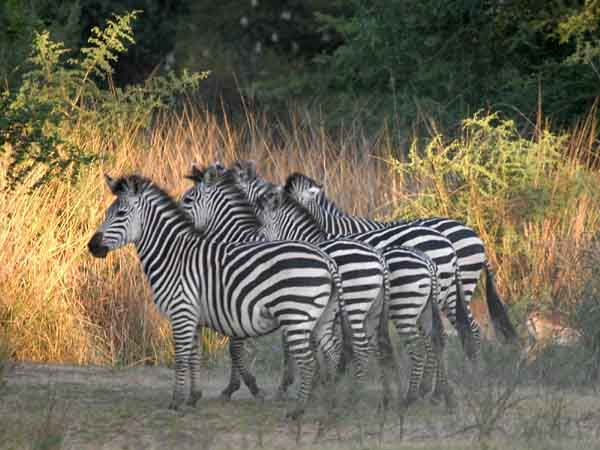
{"x":298,"y":182}
{"x":288,"y":202}
{"x":227,"y":183}
{"x":139,"y":185}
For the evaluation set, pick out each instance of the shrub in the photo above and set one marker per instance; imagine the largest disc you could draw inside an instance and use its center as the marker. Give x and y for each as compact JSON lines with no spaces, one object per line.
{"x":43,"y":123}
{"x":532,"y":200}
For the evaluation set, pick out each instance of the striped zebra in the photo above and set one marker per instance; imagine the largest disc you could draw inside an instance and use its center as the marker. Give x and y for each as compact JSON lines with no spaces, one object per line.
{"x":218,"y":206}
{"x":468,"y":245}
{"x":429,"y":241}
{"x":239,"y":290}
{"x":414,"y":289}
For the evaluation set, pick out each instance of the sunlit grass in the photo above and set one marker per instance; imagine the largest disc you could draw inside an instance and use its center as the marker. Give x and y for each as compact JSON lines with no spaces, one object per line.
{"x":60,"y":304}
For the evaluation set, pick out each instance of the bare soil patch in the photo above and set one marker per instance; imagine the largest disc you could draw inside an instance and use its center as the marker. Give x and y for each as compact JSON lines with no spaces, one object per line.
{"x":72,"y":407}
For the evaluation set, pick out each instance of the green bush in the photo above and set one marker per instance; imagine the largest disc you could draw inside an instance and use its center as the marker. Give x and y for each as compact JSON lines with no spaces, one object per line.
{"x":531,"y":200}
{"x":60,"y":100}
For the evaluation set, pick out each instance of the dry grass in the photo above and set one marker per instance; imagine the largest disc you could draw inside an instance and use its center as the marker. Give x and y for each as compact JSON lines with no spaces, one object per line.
{"x":60,"y":304}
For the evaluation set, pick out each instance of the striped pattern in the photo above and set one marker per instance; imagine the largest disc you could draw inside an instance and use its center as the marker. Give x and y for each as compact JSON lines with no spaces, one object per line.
{"x":239,"y":290}
{"x":413,"y":281}
{"x":361,"y":268}
{"x":422,"y":237}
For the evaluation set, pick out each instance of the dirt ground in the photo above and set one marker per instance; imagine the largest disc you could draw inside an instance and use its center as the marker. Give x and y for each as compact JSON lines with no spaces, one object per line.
{"x":70,"y":407}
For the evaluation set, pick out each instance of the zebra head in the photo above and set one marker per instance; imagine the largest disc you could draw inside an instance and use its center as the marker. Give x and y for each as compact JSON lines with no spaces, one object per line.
{"x":122,"y":222}
{"x":198,"y":201}
{"x":246,"y":177}
{"x":306,"y":191}
{"x":270,"y":213}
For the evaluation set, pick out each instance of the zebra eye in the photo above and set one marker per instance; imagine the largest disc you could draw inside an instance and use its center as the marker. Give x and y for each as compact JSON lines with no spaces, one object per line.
{"x":121,"y":213}
{"x":186,"y":200}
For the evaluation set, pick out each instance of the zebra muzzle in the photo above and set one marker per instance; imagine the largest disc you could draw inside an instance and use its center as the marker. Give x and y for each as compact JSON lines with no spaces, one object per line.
{"x":96,"y":247}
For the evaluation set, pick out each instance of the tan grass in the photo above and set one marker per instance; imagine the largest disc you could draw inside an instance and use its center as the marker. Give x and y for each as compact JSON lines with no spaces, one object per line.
{"x":60,"y":304}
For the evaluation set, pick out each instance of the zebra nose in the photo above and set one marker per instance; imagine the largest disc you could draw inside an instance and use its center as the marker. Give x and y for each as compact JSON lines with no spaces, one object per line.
{"x":96,"y":247}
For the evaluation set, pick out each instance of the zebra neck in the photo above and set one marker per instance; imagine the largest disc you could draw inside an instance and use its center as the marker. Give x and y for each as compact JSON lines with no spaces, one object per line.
{"x":163,"y":231}
{"x":305,"y":229}
{"x":233,"y":219}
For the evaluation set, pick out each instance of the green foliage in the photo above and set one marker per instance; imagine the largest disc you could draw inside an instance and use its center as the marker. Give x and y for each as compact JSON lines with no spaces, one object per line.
{"x":60,"y":99}
{"x":490,"y":164}
{"x":532,"y":202}
{"x":582,"y":26}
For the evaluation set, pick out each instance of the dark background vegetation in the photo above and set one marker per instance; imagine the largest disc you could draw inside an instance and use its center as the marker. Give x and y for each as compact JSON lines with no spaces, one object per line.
{"x":410,"y":60}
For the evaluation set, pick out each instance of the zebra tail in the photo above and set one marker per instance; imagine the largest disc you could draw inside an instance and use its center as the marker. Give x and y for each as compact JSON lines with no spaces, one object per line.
{"x":387,"y":293}
{"x":463,"y":323}
{"x":498,"y":314}
{"x":346,"y":331}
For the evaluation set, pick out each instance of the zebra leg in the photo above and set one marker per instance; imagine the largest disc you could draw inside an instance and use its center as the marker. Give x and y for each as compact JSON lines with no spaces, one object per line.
{"x":195,"y":391}
{"x":238,"y":367}
{"x":418,"y":355}
{"x":442,"y":387}
{"x":476,"y":330}
{"x":249,"y":379}
{"x":300,"y":349}
{"x":287,"y":376}
{"x":385,"y":358}
{"x":234,"y":373}
{"x":430,"y":370}
{"x":183,"y":335}
{"x":360,"y":344}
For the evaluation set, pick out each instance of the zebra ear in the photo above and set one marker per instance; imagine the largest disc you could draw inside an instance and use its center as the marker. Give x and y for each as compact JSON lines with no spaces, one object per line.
{"x":196,"y":175}
{"x":273,"y":198}
{"x":211,"y":174}
{"x":312,"y":192}
{"x":220,"y":167}
{"x":112,"y":184}
{"x":245,"y":170}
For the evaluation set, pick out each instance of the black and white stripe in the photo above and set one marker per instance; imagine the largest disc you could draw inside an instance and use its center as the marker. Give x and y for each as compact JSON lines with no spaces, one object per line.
{"x":468,"y":245}
{"x":362,"y":269}
{"x":239,"y":290}
{"x":427,"y":240}
{"x":413,"y":281}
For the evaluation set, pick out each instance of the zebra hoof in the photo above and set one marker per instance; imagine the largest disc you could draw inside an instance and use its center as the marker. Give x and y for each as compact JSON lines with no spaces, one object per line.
{"x":295,"y":414}
{"x":260,"y":396}
{"x":451,"y":403}
{"x":225,"y":396}
{"x":436,"y":398}
{"x":409,"y":400}
{"x":175,"y":405}
{"x":194,"y":397}
{"x":280,"y":395}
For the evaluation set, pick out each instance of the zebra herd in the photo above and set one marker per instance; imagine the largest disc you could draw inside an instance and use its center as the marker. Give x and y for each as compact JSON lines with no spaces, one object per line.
{"x":246,"y":257}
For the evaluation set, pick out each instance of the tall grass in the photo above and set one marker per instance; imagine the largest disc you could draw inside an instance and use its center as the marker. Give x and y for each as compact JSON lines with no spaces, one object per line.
{"x":533,"y":199}
{"x":60,"y":304}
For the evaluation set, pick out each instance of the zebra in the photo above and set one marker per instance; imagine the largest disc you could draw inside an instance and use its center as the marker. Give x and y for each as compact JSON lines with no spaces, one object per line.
{"x":429,"y":241}
{"x":218,"y":206}
{"x":469,"y":247}
{"x":239,"y":290}
{"x":413,"y":280}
